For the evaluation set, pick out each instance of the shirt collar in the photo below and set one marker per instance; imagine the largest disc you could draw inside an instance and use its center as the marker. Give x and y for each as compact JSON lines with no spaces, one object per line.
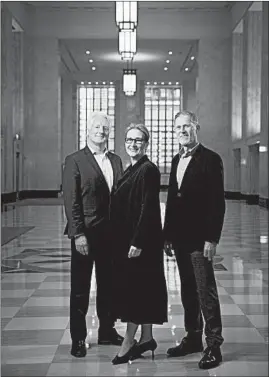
{"x":104,"y":153}
{"x":189,"y":153}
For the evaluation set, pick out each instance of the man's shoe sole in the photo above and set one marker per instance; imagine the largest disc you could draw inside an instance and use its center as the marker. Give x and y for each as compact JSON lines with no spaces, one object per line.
{"x":185,"y":354}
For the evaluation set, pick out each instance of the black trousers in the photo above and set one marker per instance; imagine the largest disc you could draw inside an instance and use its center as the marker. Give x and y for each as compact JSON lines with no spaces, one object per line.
{"x":81,"y":274}
{"x":199,"y":296}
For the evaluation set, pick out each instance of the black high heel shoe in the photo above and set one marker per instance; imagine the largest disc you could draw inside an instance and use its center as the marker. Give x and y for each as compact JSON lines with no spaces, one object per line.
{"x":126,"y":357}
{"x":151,"y":345}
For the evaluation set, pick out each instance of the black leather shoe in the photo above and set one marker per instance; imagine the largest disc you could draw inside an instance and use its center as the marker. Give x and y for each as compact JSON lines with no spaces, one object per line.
{"x":78,"y":348}
{"x":126,"y":357}
{"x":186,"y":347}
{"x":140,"y":348}
{"x":111,"y":337}
{"x":211,"y":359}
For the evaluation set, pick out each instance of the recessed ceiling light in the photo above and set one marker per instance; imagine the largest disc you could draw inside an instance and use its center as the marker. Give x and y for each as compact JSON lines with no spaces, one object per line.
{"x":192,"y":57}
{"x":148,"y":82}
{"x":177,"y":83}
{"x":186,"y":69}
{"x":88,"y":52}
{"x":162,"y":83}
{"x":111,"y":82}
{"x":93,"y":68}
{"x":104,"y":82}
{"x":82,"y":82}
{"x":89,"y":82}
{"x":155,"y":83}
{"x":167,"y":61}
{"x":170,"y":52}
{"x":165,"y":68}
{"x":169,"y":83}
{"x":96,"y":82}
{"x":90,"y":61}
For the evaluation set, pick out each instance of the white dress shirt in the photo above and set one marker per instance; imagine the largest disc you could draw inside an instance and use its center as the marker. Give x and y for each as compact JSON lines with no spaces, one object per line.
{"x":184,"y":160}
{"x":105,"y":165}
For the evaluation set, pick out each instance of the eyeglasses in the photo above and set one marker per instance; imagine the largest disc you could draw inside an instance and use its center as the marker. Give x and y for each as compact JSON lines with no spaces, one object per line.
{"x":129,"y":140}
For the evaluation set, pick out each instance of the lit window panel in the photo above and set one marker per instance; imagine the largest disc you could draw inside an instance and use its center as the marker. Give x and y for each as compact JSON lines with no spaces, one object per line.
{"x":161,"y":105}
{"x":95,"y":98}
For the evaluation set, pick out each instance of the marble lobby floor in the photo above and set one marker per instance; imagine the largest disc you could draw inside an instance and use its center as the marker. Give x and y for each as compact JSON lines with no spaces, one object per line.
{"x":35,"y":285}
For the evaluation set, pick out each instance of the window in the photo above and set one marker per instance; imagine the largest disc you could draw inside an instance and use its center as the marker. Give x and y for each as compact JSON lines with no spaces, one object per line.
{"x":161,"y":105}
{"x":95,"y":98}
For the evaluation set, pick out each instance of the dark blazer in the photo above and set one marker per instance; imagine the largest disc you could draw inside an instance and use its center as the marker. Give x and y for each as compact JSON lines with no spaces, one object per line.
{"x":195,"y":212}
{"x":85,"y":191}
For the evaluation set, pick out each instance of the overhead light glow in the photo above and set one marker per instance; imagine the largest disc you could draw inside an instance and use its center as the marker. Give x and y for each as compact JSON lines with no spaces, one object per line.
{"x":192,"y":57}
{"x":170,"y":52}
{"x":88,"y":52}
{"x":90,"y":61}
{"x":127,"y":44}
{"x":165,"y":68}
{"x":93,"y":68}
{"x":167,"y":61}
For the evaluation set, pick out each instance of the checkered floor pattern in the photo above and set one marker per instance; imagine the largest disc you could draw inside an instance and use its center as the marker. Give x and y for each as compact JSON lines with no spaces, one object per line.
{"x":35,"y":284}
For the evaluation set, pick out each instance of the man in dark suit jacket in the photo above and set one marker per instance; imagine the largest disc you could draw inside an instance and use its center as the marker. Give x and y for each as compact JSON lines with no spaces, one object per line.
{"x":89,"y":178}
{"x":193,"y":224}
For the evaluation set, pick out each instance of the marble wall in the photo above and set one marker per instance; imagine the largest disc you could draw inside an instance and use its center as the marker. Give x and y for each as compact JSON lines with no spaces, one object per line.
{"x":42,"y":141}
{"x":214,"y":99}
{"x":237,"y":76}
{"x":250,"y":54}
{"x":253,"y":61}
{"x":7,"y":155}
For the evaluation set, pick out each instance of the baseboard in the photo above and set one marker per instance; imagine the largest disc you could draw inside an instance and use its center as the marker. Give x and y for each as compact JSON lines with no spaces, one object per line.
{"x":37,"y":194}
{"x":248,"y":198}
{"x":264,"y":202}
{"x":9,"y":197}
{"x":233,"y":195}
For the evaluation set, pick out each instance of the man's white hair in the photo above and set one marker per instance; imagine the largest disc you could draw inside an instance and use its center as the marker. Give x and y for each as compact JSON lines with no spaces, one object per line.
{"x":98,"y":114}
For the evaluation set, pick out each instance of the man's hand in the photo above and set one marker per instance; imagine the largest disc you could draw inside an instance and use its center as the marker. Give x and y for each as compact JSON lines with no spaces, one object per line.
{"x":134,"y":252}
{"x":82,"y":245}
{"x":168,"y":248}
{"x":210,"y":250}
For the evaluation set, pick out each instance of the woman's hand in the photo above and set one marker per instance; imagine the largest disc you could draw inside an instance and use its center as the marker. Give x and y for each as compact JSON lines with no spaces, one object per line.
{"x":134,"y":252}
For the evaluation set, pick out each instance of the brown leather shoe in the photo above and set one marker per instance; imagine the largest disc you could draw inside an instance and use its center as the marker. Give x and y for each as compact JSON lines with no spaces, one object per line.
{"x":186,"y":347}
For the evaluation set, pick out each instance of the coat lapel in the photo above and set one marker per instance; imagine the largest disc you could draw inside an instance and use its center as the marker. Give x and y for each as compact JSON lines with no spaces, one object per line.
{"x":114,"y":168}
{"x":130,"y":171}
{"x":94,"y":164}
{"x":192,"y":169}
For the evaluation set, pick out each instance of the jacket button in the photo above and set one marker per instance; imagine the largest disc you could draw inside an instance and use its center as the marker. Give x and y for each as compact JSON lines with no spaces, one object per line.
{"x":179,"y":194}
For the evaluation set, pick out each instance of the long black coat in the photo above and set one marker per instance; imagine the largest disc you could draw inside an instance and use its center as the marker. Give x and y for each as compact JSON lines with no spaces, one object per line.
{"x":141,"y":295}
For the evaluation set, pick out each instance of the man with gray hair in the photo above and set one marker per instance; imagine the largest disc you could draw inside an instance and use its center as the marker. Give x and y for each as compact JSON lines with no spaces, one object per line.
{"x":192,"y":228}
{"x":90,"y":176}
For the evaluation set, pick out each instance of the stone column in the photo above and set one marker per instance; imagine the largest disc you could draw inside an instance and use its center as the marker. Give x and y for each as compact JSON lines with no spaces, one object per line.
{"x":128,"y":110}
{"x":7,"y":155}
{"x":263,"y":192}
{"x":42,"y":120}
{"x":214,"y":99}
